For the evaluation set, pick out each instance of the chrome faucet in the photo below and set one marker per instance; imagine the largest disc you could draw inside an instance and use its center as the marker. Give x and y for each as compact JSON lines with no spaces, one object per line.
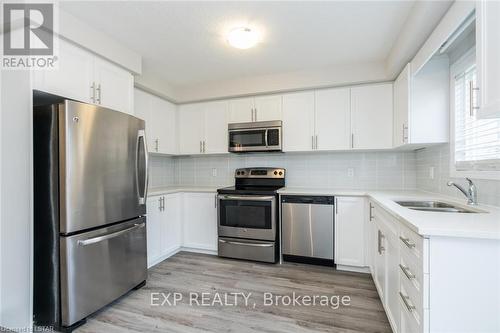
{"x":471,"y":193}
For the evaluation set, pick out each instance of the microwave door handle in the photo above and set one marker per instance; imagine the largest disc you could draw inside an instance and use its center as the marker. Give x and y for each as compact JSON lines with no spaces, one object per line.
{"x":267,"y":132}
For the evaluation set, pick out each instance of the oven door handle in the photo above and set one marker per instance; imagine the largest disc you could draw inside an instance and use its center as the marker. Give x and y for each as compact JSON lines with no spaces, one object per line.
{"x":246,"y":244}
{"x":246,"y":198}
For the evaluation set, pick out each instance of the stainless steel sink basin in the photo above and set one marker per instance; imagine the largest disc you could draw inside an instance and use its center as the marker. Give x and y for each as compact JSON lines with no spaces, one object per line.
{"x":435,"y":206}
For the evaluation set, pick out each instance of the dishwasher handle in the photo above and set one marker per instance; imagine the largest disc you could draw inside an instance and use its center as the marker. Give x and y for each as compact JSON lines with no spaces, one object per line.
{"x":309,"y":199}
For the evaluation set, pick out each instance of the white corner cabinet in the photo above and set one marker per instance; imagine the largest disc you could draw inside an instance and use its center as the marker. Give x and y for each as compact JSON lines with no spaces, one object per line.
{"x":487,"y":57}
{"x":161,"y":122}
{"x":88,"y":78}
{"x":350,"y":231}
{"x":203,"y":128}
{"x":421,"y":105}
{"x":184,"y":220}
{"x":358,"y":117}
{"x":259,"y":108}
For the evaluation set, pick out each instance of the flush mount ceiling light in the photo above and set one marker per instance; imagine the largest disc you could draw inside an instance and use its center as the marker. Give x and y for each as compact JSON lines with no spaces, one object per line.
{"x":242,"y":38}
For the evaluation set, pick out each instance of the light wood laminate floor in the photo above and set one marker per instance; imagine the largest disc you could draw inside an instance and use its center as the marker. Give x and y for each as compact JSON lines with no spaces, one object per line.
{"x":197,"y":273}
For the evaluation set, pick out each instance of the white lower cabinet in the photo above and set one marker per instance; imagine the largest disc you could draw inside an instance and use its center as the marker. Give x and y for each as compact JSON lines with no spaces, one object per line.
{"x":349,"y":231}
{"x":164,"y":226}
{"x":200,"y":221}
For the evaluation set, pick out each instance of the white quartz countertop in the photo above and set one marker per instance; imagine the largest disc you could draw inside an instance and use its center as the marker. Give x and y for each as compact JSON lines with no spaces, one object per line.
{"x":153,"y":191}
{"x":484,"y":225}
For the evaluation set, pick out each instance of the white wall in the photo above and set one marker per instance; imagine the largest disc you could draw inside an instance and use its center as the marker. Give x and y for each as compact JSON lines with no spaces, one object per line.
{"x":16,"y":198}
{"x":372,"y":170}
{"x":438,"y":157}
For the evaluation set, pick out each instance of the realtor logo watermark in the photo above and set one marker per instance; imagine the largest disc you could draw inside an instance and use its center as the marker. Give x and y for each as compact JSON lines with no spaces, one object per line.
{"x":28,"y":36}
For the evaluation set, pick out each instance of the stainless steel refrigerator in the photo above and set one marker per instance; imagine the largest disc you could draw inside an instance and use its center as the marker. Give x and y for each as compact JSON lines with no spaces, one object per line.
{"x":90,"y":188}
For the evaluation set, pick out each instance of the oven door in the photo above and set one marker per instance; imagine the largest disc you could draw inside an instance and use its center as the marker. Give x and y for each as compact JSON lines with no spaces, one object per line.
{"x":247,"y":216}
{"x":255,"y":139}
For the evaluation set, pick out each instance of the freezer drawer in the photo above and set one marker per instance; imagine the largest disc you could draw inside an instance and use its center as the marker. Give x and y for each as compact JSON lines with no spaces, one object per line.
{"x":307,"y":224}
{"x":99,"y":266}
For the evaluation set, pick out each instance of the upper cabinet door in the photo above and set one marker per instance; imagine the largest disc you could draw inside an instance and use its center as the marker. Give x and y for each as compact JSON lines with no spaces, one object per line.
{"x":488,"y":55}
{"x":216,"y":140}
{"x":333,"y":119}
{"x":268,"y":108}
{"x":371,"y":116}
{"x":191,"y":128}
{"x":298,"y":121}
{"x":163,"y":125}
{"x":115,"y":86}
{"x":401,"y":107}
{"x":241,"y":110}
{"x":73,"y":78}
{"x":142,"y":110}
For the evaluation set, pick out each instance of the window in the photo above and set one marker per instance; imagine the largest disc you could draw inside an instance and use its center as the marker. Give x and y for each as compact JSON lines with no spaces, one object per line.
{"x":475,"y":142}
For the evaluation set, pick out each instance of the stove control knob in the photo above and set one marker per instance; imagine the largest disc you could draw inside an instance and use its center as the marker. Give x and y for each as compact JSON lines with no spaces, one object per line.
{"x":281,"y":173}
{"x":275,"y":173}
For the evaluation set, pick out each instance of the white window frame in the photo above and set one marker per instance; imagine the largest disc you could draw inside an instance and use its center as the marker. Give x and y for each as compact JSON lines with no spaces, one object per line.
{"x":458,"y":67}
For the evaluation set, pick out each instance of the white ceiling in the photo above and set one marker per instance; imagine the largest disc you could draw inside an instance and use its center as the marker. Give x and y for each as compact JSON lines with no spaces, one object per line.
{"x":183,"y":43}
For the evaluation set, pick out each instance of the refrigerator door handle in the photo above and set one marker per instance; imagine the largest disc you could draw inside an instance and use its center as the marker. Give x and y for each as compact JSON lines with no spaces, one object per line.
{"x":88,"y":241}
{"x":144,"y":191}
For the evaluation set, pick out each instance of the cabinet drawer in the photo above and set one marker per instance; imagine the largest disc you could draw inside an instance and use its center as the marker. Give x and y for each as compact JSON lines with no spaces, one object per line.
{"x":409,"y":302}
{"x":411,"y":242}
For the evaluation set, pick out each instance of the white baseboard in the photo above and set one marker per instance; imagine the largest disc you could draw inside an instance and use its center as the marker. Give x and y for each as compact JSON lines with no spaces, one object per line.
{"x":354,"y":269}
{"x":198,"y":250}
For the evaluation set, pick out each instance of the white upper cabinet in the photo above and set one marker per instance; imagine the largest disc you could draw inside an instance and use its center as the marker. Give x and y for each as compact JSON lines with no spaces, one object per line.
{"x":421,"y":105}
{"x":371,"y":116}
{"x":115,"y":86}
{"x":241,"y":110}
{"x":88,"y":78}
{"x":161,"y":125}
{"x":73,"y":78}
{"x":487,"y":57}
{"x":332,"y":121}
{"x":350,"y":231}
{"x":260,"y":108}
{"x":203,"y":128}
{"x":268,"y":108}
{"x":191,"y":129}
{"x":298,"y":121}
{"x":216,"y":136}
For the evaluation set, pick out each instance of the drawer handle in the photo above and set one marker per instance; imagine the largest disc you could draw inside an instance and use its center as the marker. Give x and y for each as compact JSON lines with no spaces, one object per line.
{"x":246,"y":244}
{"x":407,"y":242}
{"x":406,"y":301}
{"x":102,"y":238}
{"x":407,"y":272}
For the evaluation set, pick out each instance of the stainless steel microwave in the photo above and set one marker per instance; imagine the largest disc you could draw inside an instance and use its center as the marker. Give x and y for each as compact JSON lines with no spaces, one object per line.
{"x":255,"y":136}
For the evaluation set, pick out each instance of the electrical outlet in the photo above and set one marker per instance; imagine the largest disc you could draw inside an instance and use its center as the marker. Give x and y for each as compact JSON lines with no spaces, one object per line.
{"x":431,"y":172}
{"x":350,"y":172}
{"x":214,"y":172}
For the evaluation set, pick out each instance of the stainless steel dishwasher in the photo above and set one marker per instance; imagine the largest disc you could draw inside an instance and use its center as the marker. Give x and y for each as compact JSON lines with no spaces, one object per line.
{"x":307,"y":229}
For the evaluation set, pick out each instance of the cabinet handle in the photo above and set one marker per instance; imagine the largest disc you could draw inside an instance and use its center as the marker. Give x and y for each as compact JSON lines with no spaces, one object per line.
{"x":380,"y":238}
{"x":316,"y":143}
{"x":405,"y":137}
{"x":336,"y":206}
{"x":99,"y":92}
{"x":157,"y":144}
{"x":352,"y":140}
{"x":407,"y":272}
{"x":407,"y":242}
{"x":371,"y":210}
{"x":405,"y":299}
{"x":471,"y":98}
{"x":201,"y":147}
{"x":204,"y":146}
{"x":92,"y":96}
{"x":159,"y":204}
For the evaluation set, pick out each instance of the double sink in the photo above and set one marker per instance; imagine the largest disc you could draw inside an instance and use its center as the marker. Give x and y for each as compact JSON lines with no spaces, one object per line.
{"x":436,"y":206}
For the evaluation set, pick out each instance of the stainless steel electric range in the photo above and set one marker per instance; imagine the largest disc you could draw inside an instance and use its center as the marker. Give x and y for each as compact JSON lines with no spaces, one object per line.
{"x":248,"y":215}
